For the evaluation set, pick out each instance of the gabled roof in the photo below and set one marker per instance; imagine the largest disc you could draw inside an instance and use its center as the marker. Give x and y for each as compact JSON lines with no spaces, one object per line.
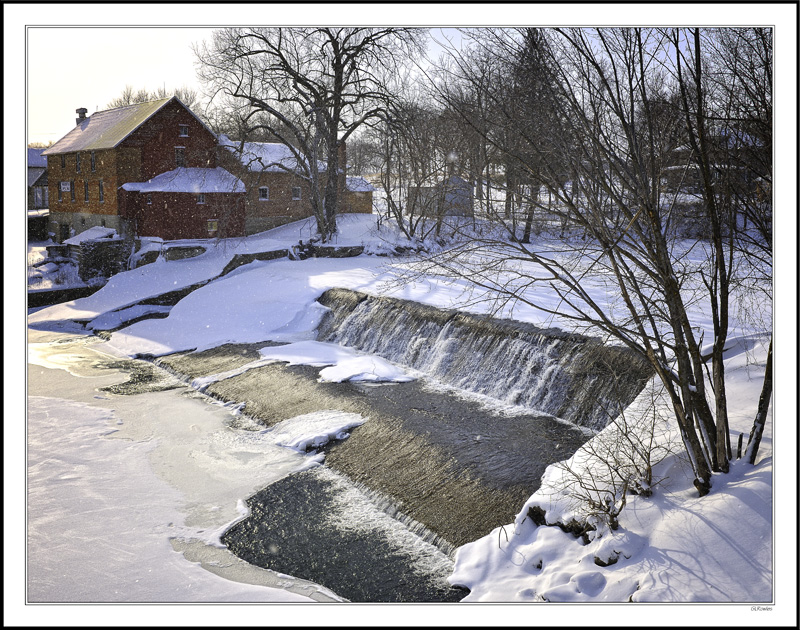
{"x":34,"y":173}
{"x":356,"y":183}
{"x":106,"y":129}
{"x":190,"y":180}
{"x":35,"y":158}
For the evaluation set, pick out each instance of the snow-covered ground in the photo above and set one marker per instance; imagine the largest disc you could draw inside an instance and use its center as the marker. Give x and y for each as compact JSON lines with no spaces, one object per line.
{"x":672,"y":547}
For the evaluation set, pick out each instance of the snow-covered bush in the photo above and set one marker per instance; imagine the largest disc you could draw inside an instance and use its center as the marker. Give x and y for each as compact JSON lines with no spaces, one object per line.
{"x":588,"y":491}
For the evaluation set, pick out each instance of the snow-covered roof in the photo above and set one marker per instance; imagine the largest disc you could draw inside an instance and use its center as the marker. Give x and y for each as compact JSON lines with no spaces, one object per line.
{"x":106,"y":129}
{"x":34,"y":173}
{"x":190,"y":180}
{"x":91,"y":234}
{"x":263,"y":156}
{"x":359,"y":184}
{"x":35,"y":158}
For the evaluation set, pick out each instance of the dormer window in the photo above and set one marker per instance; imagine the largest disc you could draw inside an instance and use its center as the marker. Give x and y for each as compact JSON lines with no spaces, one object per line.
{"x":183,"y":131}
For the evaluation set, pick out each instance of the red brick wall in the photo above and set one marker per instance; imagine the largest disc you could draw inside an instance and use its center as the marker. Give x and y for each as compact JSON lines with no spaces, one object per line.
{"x":173,"y":216}
{"x":159,"y":136}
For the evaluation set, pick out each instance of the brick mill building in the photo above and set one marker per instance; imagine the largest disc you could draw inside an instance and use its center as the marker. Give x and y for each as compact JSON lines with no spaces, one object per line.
{"x":148,"y":169}
{"x":156,"y":170}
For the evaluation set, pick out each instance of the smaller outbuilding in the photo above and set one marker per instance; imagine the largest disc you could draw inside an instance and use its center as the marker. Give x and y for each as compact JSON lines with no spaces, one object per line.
{"x":358,"y":195}
{"x":452,"y":196}
{"x":187,"y":203}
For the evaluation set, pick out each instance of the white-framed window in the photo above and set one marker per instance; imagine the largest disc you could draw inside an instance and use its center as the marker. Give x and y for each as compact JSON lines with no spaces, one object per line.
{"x":180,"y":156}
{"x":296,"y":194}
{"x":263,"y":193}
{"x":212,"y":225}
{"x":100,"y":191}
{"x":183,"y":131}
{"x":201,"y":198}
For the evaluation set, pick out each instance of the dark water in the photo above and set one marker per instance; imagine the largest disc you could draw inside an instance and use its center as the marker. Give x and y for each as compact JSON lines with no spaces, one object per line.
{"x":315,"y":525}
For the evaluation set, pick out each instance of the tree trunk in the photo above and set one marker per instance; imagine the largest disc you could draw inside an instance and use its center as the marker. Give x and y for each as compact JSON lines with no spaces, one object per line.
{"x":761,"y":415}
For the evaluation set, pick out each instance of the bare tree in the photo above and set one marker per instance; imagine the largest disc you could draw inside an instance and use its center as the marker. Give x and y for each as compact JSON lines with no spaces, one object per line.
{"x":187,"y":96}
{"x":600,"y":147}
{"x":309,"y":87}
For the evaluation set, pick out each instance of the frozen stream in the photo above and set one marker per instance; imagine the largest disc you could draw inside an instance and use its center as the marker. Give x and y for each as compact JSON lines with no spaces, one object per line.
{"x":131,"y":504}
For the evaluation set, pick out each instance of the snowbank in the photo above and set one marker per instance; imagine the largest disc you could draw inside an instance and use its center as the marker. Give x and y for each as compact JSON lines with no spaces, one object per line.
{"x":671,"y":547}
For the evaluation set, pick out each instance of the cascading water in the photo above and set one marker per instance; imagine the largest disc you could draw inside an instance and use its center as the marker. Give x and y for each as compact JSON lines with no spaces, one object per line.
{"x":570,"y":376}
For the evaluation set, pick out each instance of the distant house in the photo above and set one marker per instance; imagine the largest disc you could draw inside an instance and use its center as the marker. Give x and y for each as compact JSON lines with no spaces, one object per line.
{"x":148,"y":169}
{"x":277,"y":190}
{"x":277,"y":193}
{"x":358,"y":195}
{"x":452,"y":196}
{"x":37,"y":180}
{"x":37,"y":195}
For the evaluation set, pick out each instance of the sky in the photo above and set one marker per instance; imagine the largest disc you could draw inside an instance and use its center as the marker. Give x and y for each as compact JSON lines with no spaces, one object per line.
{"x":78,"y":58}
{"x":140,"y":57}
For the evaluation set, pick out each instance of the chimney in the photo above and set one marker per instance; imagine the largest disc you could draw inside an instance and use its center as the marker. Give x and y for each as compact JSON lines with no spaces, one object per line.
{"x":81,"y":111}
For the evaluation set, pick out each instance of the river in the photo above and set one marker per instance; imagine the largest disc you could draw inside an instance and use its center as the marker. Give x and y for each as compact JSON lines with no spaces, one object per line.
{"x":427,"y":471}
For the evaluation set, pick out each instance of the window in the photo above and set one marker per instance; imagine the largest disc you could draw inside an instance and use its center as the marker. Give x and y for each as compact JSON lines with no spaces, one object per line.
{"x":72,"y":190}
{"x":180,"y":157}
{"x":263,"y":193}
{"x":149,"y":199}
{"x":93,"y":162}
{"x":103,"y":223}
{"x":100,"y":190}
{"x":77,"y":162}
{"x":296,"y":193}
{"x":201,"y":198}
{"x":212,"y":225}
{"x":83,"y":220}
{"x":183,"y":131}
{"x":85,"y":191}
{"x":63,"y":161}
{"x":59,"y":193}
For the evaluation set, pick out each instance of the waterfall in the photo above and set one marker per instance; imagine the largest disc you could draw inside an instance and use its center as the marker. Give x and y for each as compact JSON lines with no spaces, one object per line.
{"x":570,"y":376}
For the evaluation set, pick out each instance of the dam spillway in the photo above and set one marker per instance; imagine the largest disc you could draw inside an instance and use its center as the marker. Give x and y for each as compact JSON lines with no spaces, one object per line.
{"x":569,"y":376}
